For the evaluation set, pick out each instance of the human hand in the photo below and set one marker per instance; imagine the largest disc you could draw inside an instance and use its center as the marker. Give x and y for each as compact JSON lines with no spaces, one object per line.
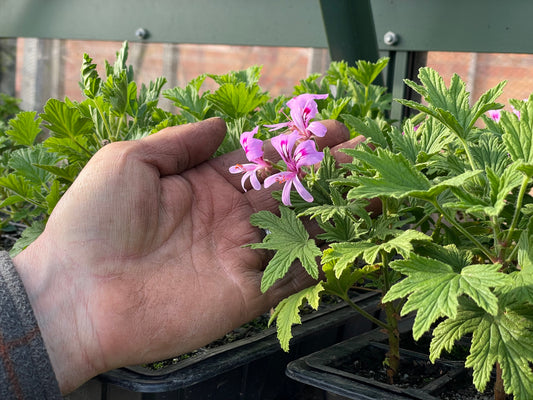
{"x":143,"y":257}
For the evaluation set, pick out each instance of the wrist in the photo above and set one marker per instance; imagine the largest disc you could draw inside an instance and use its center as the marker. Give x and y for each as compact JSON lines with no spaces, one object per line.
{"x":55,"y":300}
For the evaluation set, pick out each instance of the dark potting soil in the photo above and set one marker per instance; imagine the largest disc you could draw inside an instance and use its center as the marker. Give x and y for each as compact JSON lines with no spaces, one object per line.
{"x":9,"y":234}
{"x":414,"y":373}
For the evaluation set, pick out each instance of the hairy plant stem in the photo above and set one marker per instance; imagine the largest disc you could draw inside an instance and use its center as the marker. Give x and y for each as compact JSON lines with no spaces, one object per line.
{"x":393,"y":355}
{"x":499,"y":390}
{"x":518,"y":208}
{"x":467,"y":151}
{"x":106,"y":123}
{"x":366,"y":314}
{"x":392,"y":316}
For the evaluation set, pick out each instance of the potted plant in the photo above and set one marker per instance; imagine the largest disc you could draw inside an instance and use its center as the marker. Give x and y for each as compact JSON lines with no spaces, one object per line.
{"x":452,"y":244}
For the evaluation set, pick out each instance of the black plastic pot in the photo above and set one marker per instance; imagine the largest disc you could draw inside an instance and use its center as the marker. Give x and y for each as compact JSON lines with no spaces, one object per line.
{"x":252,"y":368}
{"x":334,"y":370}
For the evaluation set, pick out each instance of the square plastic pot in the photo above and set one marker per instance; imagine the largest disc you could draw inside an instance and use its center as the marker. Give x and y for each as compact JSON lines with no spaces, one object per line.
{"x":333,"y":370}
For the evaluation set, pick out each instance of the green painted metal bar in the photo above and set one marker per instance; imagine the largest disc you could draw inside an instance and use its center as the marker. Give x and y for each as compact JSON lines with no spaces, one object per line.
{"x":350,"y":30}
{"x":399,"y":63}
{"x":235,"y":22}
{"x":419,"y":25}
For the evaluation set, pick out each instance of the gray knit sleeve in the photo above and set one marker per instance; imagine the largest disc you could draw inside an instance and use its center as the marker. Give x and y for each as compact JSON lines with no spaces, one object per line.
{"x":25,"y":369}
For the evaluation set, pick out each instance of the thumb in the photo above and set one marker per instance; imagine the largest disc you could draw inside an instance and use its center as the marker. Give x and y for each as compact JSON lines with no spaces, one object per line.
{"x":178,"y":148}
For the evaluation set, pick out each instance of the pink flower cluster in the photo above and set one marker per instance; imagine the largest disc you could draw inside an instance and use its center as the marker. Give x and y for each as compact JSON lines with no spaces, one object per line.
{"x":295,"y":147}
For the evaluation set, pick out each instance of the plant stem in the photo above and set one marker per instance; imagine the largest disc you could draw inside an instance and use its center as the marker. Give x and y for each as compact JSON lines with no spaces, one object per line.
{"x":366,"y":314}
{"x":518,"y":207}
{"x":499,"y":390}
{"x":421,"y":221}
{"x":106,"y":123}
{"x":458,"y":226}
{"x":496,"y":233}
{"x":467,"y":151}
{"x":392,"y":316}
{"x":393,"y":355}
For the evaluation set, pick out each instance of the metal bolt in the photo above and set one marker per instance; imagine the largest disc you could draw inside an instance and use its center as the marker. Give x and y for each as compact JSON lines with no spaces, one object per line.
{"x":141,"y":33}
{"x":390,"y":38}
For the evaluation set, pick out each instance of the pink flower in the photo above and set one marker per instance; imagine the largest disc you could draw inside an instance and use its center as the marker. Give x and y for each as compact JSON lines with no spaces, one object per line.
{"x":495,"y":115}
{"x":253,"y":149}
{"x":305,"y":154}
{"x":303,"y":110}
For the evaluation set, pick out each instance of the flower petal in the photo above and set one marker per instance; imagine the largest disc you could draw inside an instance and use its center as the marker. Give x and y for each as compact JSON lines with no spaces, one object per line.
{"x":280,"y":177}
{"x":254,"y":181}
{"x":286,"y":193}
{"x":252,"y":147}
{"x":244,"y":179}
{"x":275,"y":127}
{"x":302,"y":191}
{"x":306,"y":154}
{"x":317,"y":128}
{"x":283,"y":145}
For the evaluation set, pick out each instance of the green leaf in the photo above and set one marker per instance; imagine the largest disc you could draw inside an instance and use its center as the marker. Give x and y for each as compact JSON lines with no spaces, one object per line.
{"x":53,"y":196}
{"x":74,"y":149}
{"x":366,"y":72}
{"x":525,"y":249}
{"x":24,"y":128}
{"x":64,"y":121}
{"x":23,"y":187}
{"x":345,"y":254}
{"x":433,"y":288}
{"x":249,"y":76}
{"x":489,"y":152}
{"x":521,"y":289}
{"x":120,"y":63}
{"x":287,"y":312}
{"x":398,"y":178}
{"x":288,"y":237}
{"x":237,"y":100}
{"x":504,"y":338}
{"x":90,"y":81}
{"x":10,"y":201}
{"x":500,"y":187}
{"x":23,"y":161}
{"x":189,"y":98}
{"x":340,"y":284}
{"x":451,"y":106}
{"x":120,"y":93}
{"x":334,"y":108}
{"x":517,"y":137}
{"x":67,"y":172}
{"x":27,"y":237}
{"x":368,"y":127}
{"x":419,"y":142}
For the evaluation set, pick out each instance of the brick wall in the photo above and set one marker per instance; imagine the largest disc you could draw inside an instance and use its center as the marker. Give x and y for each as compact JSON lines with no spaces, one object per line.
{"x":282,"y":67}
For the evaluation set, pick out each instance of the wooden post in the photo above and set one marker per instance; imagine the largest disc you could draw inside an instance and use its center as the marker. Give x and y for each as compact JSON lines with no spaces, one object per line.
{"x":42,"y":71}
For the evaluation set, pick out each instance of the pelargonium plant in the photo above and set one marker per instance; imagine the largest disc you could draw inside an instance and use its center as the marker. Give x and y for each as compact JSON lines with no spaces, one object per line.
{"x":453,"y":242}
